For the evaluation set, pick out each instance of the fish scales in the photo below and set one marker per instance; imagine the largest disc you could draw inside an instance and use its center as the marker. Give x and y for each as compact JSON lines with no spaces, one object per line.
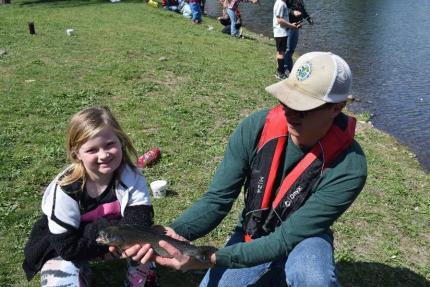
{"x":127,"y":234}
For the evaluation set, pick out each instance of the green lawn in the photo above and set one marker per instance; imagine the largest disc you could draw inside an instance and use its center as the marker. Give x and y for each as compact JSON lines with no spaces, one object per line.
{"x":183,"y":88}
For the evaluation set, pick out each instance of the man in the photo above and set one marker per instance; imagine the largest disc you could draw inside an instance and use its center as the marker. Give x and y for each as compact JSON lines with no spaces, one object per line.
{"x":281,"y":25}
{"x":301,"y":169}
{"x":297,"y":14}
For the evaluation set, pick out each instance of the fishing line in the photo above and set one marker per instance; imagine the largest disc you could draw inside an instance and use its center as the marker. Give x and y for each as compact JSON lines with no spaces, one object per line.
{"x":316,"y":12}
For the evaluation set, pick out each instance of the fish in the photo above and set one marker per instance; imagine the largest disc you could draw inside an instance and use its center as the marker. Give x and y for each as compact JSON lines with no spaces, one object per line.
{"x":128,"y":234}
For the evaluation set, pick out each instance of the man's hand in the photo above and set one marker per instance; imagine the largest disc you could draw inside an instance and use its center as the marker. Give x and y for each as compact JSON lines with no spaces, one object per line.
{"x":180,"y":261}
{"x":170,"y":232}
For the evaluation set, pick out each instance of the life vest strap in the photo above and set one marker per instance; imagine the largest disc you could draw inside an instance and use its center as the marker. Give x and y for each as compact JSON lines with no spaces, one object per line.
{"x":280,"y":146}
{"x":292,"y":177}
{"x":274,"y":127}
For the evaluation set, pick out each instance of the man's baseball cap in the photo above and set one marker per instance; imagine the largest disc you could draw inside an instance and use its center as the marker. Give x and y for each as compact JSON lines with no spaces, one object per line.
{"x":316,"y":78}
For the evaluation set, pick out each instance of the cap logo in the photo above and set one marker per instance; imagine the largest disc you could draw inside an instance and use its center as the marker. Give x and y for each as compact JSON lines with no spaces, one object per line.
{"x":304,"y":71}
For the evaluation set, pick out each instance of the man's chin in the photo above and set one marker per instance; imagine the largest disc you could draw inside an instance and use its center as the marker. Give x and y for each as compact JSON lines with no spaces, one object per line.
{"x":294,"y":132}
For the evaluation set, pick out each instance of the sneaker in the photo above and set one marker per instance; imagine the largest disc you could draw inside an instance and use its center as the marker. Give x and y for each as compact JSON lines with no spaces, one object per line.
{"x":152,"y":279}
{"x":280,"y":76}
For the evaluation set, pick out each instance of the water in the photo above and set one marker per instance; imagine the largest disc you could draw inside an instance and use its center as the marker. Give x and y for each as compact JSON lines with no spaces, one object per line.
{"x":386,"y":43}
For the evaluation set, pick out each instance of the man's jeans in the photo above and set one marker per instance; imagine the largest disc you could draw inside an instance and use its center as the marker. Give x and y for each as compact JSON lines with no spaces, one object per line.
{"x":310,"y":263}
{"x":293,"y":38}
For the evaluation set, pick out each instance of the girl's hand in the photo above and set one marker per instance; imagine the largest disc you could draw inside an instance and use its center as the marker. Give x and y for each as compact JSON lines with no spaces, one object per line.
{"x":143,"y":253}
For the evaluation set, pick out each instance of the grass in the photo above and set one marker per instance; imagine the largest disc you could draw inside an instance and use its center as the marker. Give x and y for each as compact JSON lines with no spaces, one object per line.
{"x":184,"y":88}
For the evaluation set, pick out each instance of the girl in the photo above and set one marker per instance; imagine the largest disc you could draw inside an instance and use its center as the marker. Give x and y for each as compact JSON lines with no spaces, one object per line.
{"x":101,"y":185}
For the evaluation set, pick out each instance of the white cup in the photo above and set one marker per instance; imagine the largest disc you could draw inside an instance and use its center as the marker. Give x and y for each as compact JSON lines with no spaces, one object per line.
{"x":70,"y":32}
{"x":158,"y":188}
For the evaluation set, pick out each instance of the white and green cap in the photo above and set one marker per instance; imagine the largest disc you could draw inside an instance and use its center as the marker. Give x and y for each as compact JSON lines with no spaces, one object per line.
{"x":316,"y":78}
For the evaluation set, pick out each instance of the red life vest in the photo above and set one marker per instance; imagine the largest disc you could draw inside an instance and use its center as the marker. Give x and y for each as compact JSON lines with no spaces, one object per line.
{"x":266,"y":209}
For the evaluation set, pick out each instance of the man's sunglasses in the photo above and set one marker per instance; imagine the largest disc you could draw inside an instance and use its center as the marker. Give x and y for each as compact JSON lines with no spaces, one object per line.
{"x":303,"y":114}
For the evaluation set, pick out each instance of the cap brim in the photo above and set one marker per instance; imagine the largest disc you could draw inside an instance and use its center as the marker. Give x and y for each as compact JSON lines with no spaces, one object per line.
{"x":290,"y":95}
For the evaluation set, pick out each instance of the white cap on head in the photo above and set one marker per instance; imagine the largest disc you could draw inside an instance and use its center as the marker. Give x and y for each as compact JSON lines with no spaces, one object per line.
{"x":316,"y":78}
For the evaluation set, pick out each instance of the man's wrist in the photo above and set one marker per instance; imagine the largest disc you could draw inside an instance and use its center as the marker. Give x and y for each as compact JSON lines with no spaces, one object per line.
{"x":212,"y":260}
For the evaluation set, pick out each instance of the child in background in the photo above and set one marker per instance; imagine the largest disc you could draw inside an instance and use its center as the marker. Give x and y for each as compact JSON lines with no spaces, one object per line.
{"x":196,"y":17}
{"x":101,"y":185}
{"x":281,"y":25}
{"x":231,"y":7}
{"x":225,"y":19}
{"x":171,"y":5}
{"x":185,"y":9}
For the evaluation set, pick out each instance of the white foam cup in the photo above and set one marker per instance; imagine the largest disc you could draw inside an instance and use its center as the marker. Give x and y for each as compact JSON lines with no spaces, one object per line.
{"x":70,"y":32}
{"x":158,"y":188}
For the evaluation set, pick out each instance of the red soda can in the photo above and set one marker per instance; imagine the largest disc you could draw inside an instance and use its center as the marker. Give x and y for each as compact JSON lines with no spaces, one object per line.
{"x":149,"y":157}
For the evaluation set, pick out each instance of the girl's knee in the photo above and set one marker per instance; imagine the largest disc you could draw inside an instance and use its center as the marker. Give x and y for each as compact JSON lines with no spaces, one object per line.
{"x":59,"y":272}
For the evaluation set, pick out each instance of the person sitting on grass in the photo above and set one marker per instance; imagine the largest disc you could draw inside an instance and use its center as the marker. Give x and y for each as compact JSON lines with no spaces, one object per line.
{"x":300,"y":168}
{"x":185,"y":9}
{"x":171,"y":5}
{"x":225,"y":20}
{"x":101,"y":185}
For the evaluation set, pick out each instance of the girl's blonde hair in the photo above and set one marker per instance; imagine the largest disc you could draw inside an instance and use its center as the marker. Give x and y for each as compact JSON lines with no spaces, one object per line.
{"x":83,"y":126}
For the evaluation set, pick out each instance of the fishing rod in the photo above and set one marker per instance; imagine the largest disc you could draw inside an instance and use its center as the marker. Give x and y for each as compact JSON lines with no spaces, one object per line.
{"x":316,"y":12}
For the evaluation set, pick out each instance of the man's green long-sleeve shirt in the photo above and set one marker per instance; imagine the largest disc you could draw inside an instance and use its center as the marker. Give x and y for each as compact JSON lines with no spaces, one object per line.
{"x":333,"y":193}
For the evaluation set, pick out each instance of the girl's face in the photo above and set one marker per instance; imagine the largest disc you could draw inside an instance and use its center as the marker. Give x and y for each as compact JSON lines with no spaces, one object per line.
{"x":101,"y":155}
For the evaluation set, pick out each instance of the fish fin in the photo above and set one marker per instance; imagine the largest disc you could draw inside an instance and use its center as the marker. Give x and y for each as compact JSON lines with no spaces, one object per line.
{"x":154,"y":228}
{"x":159,"y":229}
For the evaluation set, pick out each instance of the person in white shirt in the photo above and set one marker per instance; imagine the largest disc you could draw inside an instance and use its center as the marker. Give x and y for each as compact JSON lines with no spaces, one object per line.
{"x":280,"y":26}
